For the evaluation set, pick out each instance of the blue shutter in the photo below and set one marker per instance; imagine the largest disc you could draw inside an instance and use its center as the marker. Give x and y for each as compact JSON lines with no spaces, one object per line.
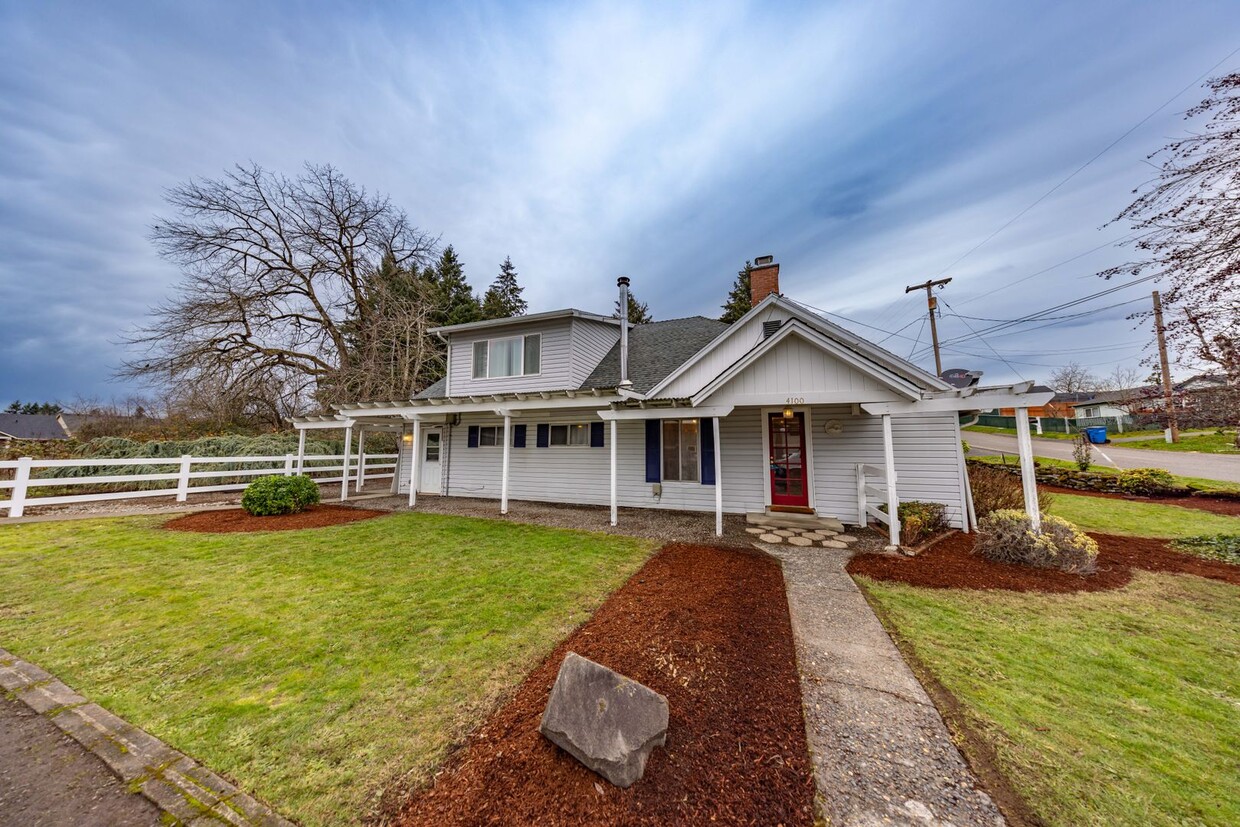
{"x":708,"y":451}
{"x":473,"y":436}
{"x":543,"y":438}
{"x":653,"y":454}
{"x":596,"y":434}
{"x":518,"y":436}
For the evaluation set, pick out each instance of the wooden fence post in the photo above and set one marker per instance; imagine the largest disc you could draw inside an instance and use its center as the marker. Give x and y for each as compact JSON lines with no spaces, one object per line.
{"x":862,"y":516}
{"x":17,"y":501}
{"x":183,"y":480}
{"x":288,"y":465}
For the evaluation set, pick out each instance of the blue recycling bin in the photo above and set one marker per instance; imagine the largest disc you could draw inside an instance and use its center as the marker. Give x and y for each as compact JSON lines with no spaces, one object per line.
{"x":1097,"y":434}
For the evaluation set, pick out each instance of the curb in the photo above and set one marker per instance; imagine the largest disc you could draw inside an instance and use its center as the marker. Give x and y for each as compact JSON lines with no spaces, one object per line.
{"x":179,"y":786}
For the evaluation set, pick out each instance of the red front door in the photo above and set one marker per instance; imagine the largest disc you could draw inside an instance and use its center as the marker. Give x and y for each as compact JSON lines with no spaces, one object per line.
{"x":787,"y":438}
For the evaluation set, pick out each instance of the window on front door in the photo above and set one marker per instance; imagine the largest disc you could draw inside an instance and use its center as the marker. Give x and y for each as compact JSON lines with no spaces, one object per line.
{"x":680,"y":450}
{"x":432,"y":447}
{"x":789,"y":484}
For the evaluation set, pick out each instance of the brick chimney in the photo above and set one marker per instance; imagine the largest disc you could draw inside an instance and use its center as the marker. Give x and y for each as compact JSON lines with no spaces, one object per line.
{"x":763,"y":279}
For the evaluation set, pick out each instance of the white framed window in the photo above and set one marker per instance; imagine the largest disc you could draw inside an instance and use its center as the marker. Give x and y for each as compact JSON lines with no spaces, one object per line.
{"x":574,"y":434}
{"x":681,"y":447}
{"x":508,"y":356}
{"x":489,"y":435}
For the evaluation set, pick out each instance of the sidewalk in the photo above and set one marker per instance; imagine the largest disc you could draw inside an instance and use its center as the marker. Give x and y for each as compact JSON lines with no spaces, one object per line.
{"x":881,"y":752}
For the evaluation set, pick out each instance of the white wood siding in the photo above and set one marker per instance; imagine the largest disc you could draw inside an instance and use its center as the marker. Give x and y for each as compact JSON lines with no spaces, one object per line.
{"x":555,"y":368}
{"x":927,"y":455}
{"x":591,"y":342}
{"x":740,"y":341}
{"x":797,"y":368}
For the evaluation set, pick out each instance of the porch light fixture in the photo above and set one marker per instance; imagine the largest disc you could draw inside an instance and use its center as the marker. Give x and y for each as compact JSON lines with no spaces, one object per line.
{"x":407,"y":439}
{"x":788,"y":413}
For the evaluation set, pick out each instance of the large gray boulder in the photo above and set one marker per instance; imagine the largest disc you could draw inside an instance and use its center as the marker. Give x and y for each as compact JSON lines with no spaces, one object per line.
{"x":604,"y":720}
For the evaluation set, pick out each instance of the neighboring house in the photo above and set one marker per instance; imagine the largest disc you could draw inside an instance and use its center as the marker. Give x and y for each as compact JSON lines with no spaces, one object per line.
{"x":774,"y":412}
{"x":30,"y":426}
{"x":1053,"y":406}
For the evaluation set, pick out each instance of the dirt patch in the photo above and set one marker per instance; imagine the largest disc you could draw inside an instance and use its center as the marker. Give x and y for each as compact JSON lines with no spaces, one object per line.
{"x":707,"y":627}
{"x":236,"y":519}
{"x":1215,"y":505}
{"x":951,"y":564}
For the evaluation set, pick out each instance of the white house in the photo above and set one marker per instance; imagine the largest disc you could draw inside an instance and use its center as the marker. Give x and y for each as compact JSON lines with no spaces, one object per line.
{"x":780,"y":411}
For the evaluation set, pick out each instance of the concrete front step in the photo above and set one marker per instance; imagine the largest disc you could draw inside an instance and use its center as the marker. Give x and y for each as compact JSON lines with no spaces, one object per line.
{"x":805,"y":522}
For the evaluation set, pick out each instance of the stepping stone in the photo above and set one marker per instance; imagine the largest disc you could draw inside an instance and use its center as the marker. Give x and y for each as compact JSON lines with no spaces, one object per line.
{"x":815,"y":536}
{"x":755,"y":529}
{"x":833,"y":544}
{"x":846,"y":538}
{"x":785,"y":532}
{"x":771,"y":538}
{"x":800,"y":541}
{"x":606,"y":721}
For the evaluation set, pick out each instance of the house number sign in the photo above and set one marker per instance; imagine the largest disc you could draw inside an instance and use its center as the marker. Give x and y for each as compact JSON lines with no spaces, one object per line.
{"x":795,"y":400}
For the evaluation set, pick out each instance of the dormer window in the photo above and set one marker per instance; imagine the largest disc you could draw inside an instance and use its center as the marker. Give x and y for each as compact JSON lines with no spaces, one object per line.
{"x":508,"y":356}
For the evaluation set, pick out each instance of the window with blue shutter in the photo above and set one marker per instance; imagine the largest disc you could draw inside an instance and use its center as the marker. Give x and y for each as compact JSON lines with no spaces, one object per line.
{"x":543,"y":436}
{"x":596,"y":434}
{"x":653,"y":455}
{"x":518,"y":436}
{"x":708,"y":451}
{"x":473,"y":436}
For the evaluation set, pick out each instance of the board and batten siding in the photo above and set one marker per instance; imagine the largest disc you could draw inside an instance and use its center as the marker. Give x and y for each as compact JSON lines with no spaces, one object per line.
{"x":927,"y":449}
{"x":740,"y":340}
{"x":795,"y":367}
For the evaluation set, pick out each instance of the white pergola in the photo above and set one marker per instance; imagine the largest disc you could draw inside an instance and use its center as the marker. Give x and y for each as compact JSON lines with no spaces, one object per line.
{"x":348,"y":425}
{"x":614,"y":406}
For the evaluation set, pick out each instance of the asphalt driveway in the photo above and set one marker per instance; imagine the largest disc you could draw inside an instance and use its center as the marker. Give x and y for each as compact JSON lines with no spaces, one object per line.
{"x":1185,"y":464}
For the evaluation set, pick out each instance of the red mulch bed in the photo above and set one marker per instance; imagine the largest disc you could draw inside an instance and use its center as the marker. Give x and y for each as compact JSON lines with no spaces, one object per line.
{"x":709,"y":629}
{"x":951,"y":564}
{"x":237,"y":519}
{"x":1215,"y":505}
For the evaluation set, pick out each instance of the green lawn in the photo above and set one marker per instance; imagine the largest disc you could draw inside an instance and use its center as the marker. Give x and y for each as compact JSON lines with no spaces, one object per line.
{"x":992,"y":429}
{"x":1196,"y":482}
{"x":1115,"y":516}
{"x":1109,"y":708}
{"x":313,"y":667}
{"x":1208,"y":443}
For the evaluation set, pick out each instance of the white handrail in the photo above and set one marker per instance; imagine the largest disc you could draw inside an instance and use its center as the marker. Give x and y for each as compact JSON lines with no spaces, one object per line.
{"x":872,"y":482}
{"x":331,"y":468}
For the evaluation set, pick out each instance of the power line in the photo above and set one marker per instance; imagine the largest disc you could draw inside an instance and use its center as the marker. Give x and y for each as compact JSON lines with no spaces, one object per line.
{"x":920,"y":330}
{"x":1082,"y":167}
{"x":992,"y":350}
{"x":1069,"y":316}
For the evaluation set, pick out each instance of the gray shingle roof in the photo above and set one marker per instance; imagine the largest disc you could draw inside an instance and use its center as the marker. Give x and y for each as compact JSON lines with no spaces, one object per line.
{"x":31,"y":426}
{"x":433,"y":391}
{"x":655,"y":350}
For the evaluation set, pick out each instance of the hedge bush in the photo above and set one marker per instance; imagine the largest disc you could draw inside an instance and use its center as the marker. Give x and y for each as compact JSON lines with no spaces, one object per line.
{"x":1145,"y":481}
{"x":921,"y":520}
{"x":1224,"y":547}
{"x":1007,"y":536}
{"x":997,"y":490}
{"x":268,"y":496}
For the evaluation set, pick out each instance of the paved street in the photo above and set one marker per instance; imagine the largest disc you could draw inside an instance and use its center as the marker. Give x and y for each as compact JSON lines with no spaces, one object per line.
{"x":1210,"y":466}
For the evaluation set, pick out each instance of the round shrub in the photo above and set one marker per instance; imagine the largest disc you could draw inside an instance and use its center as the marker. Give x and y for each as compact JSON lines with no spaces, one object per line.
{"x":1007,"y":536}
{"x":994,"y":489}
{"x":1145,"y":481}
{"x":267,"y":496}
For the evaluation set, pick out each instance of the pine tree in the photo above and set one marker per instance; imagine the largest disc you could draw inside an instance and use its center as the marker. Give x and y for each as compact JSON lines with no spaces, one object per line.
{"x":503,"y":297}
{"x":639,"y":312}
{"x":738,"y":303}
{"x":455,"y":302}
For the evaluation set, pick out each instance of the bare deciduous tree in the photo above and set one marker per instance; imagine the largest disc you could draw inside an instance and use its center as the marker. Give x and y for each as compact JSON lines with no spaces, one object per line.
{"x":1073,"y":378}
{"x":1188,"y":224}
{"x":274,"y":270}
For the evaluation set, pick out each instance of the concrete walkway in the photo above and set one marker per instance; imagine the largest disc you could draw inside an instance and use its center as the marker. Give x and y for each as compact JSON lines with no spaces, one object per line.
{"x":882,"y":754}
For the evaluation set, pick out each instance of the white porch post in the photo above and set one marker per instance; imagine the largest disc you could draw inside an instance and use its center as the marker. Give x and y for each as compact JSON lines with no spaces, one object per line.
{"x":889,"y":469}
{"x":361,"y":459}
{"x":1028,"y":479}
{"x":344,"y":479}
{"x":415,"y":456}
{"x":301,"y":450}
{"x":718,"y":482}
{"x":503,"y":486}
{"x":614,"y":511}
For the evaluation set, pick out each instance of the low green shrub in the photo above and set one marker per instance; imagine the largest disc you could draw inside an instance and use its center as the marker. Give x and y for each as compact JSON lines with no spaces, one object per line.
{"x":268,"y":496}
{"x":1082,"y":452}
{"x":1225,"y":547}
{"x":996,"y":490}
{"x":920,"y":521}
{"x":1145,"y":481}
{"x":1007,"y":536}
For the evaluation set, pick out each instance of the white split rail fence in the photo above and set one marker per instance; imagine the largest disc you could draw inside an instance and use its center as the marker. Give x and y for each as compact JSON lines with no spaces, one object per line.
{"x":181,"y":482}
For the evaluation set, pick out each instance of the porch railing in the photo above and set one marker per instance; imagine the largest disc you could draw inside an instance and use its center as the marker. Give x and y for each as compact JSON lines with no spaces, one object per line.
{"x":873,"y":490}
{"x":25,"y":478}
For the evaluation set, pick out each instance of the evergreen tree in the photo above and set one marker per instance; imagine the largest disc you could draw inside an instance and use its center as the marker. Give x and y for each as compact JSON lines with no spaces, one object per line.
{"x":503,"y":297}
{"x":738,"y":303}
{"x":639,"y":312}
{"x":455,"y":302}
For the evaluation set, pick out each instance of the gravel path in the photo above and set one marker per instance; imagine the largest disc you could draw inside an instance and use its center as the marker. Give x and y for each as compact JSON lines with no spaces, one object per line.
{"x":882,"y":754}
{"x":47,"y":778}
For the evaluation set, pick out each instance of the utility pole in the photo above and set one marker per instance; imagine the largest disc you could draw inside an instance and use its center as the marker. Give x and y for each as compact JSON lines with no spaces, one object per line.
{"x":932,"y":304}
{"x":1161,"y":330}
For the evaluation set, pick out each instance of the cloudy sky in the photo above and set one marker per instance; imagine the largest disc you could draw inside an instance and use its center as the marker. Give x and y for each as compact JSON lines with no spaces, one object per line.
{"x":867,"y":145}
